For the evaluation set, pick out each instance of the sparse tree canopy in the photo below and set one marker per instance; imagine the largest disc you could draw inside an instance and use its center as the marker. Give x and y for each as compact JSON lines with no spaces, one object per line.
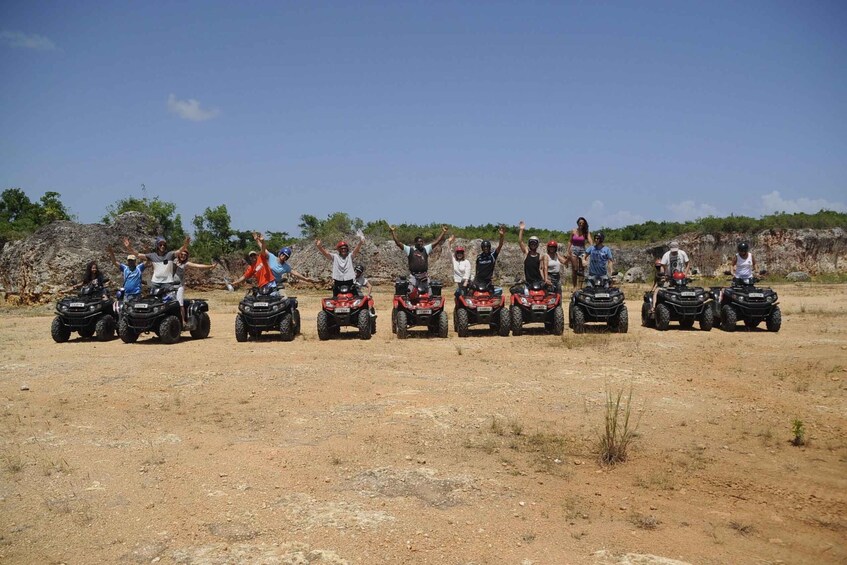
{"x":19,"y":216}
{"x":163,"y":212}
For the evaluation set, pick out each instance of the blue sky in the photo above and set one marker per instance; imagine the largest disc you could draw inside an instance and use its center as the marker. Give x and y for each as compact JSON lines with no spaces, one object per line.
{"x":423,"y":112}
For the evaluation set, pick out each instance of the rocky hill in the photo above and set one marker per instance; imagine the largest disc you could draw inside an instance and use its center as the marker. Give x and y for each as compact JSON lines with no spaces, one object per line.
{"x":39,"y":267}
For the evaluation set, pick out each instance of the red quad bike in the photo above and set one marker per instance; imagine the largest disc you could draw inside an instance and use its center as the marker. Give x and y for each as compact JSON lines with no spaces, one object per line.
{"x":423,"y":306}
{"x":347,"y":308}
{"x":534,"y":303}
{"x":479,"y":304}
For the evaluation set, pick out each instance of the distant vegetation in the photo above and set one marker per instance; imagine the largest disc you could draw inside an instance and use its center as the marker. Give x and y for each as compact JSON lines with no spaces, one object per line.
{"x":214,"y":236}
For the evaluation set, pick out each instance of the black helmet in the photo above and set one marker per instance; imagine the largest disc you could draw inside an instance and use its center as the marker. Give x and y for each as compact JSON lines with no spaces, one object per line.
{"x":600,"y":236}
{"x":743,"y":247}
{"x":359,"y":269}
{"x":485,"y":245}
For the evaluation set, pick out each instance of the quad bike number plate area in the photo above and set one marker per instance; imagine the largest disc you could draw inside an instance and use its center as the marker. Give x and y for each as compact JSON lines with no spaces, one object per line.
{"x":77,"y":304}
{"x":343,"y":310}
{"x":539,"y":307}
{"x":141,"y":306}
{"x":424,"y":311}
{"x":260,"y":304}
{"x":756,"y":295}
{"x":484,"y":309}
{"x":602,"y":295}
{"x":688,"y":293}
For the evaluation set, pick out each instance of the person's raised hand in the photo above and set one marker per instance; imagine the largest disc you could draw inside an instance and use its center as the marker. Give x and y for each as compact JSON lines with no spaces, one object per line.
{"x":502,"y":230}
{"x":522,"y":225}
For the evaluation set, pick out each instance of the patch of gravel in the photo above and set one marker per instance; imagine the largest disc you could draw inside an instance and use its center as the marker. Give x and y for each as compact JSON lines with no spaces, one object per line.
{"x":604,"y":557}
{"x":308,"y":513}
{"x":418,"y":483}
{"x":260,"y":554}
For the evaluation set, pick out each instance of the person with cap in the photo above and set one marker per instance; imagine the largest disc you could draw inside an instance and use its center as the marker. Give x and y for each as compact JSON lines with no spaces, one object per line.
{"x":535,"y":270}
{"x":675,"y":260}
{"x":418,"y":255}
{"x":131,"y":272}
{"x":258,"y":267}
{"x":161,"y":259}
{"x":487,"y":259}
{"x":343,"y":271}
{"x":281,"y":267}
{"x":598,"y":257}
{"x":461,"y":266}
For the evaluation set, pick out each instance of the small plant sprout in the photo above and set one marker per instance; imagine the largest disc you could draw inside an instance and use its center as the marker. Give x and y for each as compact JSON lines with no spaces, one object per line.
{"x":798,"y":429}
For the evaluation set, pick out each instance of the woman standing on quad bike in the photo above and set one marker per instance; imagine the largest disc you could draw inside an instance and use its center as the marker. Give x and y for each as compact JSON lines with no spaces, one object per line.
{"x":418,"y":255}
{"x":555,"y":262}
{"x":162,"y":260}
{"x":343,"y":271}
{"x":576,"y":248}
{"x":535,"y":270}
{"x":486,"y":259}
{"x":461,"y":267}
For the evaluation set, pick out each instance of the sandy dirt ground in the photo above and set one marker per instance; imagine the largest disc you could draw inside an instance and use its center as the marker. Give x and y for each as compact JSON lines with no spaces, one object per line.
{"x":455,"y":451}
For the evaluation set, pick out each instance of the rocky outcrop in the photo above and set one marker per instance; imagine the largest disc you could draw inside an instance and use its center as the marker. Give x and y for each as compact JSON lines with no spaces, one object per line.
{"x":36,"y":268}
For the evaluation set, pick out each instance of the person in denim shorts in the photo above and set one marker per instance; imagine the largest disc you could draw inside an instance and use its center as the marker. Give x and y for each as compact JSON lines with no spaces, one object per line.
{"x":576,"y":248}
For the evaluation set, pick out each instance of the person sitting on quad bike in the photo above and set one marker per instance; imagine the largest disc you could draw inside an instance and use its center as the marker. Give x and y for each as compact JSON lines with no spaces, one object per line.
{"x":674,"y":260}
{"x":535,"y":270}
{"x":418,"y":256}
{"x":487,"y":259}
{"x":555,"y":263}
{"x":180,"y":263}
{"x":280,"y":267}
{"x":94,"y":277}
{"x":744,"y":265}
{"x":131,"y":272}
{"x":259,"y":267}
{"x":461,"y":267}
{"x":598,"y":257}
{"x":362,"y":283}
{"x":162,"y":260}
{"x":343,"y":272}
{"x":576,"y":248}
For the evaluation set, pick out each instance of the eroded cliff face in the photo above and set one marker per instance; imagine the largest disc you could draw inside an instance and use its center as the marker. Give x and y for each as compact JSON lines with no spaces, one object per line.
{"x":37,"y":268}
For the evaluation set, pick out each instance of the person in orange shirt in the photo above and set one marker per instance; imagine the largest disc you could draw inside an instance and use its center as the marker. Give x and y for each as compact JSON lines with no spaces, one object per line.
{"x":259,"y":267}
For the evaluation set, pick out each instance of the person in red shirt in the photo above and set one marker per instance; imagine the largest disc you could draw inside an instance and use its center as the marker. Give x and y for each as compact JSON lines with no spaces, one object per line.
{"x":259,"y":267}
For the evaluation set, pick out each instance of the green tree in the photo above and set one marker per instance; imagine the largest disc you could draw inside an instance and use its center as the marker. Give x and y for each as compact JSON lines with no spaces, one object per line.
{"x":213,"y":233}
{"x":336,"y":225}
{"x":52,"y":208}
{"x":164,"y":213}
{"x":20,"y":216}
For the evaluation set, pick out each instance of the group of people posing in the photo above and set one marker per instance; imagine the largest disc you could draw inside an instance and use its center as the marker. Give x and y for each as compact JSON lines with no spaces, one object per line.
{"x":583,"y":251}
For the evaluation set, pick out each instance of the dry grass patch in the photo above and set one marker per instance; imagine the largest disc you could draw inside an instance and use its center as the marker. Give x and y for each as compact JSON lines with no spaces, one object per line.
{"x":619,"y":429}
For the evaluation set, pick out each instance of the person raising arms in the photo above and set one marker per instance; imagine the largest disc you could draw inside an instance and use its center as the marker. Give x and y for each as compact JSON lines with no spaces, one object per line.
{"x":258,"y":267}
{"x":576,"y":247}
{"x":487,"y":259}
{"x":461,"y":266}
{"x":418,"y":255}
{"x":343,"y":270}
{"x":535,"y":270}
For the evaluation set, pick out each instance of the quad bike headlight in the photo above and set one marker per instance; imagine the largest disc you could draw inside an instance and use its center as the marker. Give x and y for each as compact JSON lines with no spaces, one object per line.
{"x":770,"y":298}
{"x":740,"y":298}
{"x":616,"y":299}
{"x":701,"y":298}
{"x":357,"y":302}
{"x":469,"y":302}
{"x":245,"y":308}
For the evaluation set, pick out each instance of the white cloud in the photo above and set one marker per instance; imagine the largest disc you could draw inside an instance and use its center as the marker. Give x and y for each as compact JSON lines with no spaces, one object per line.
{"x":774,"y":202}
{"x":190,"y":109}
{"x":690,"y":210}
{"x":26,"y":41}
{"x":598,"y":216}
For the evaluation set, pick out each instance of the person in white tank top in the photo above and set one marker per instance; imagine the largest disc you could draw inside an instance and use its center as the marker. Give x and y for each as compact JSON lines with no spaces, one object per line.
{"x":744,"y":265}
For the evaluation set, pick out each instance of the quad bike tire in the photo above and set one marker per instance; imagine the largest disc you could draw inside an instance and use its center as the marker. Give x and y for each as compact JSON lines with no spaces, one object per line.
{"x":443,"y":327}
{"x":104,"y":329}
{"x":364,"y":323}
{"x":663,"y":317}
{"x":286,"y":327}
{"x":59,"y":331}
{"x":295,"y":317}
{"x":324,"y":332}
{"x":729,"y":317}
{"x":87,"y":331}
{"x":646,"y":320}
{"x":578,"y":320}
{"x":558,"y":325}
{"x":401,"y":325}
{"x":127,"y":334}
{"x":461,"y":322}
{"x":241,"y":332}
{"x":505,"y":323}
{"x":707,"y":319}
{"x":170,"y":329}
{"x":204,"y":326}
{"x":516,"y":316}
{"x":620,"y":323}
{"x":774,"y":321}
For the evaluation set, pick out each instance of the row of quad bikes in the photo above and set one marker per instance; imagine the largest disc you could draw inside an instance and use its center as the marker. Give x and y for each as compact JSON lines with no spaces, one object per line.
{"x":91,"y":313}
{"x":94,"y":312}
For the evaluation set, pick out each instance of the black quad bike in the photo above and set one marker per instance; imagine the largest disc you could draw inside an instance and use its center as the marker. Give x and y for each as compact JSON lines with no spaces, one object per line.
{"x":422,"y":306}
{"x":480,"y":303}
{"x":598,"y":301}
{"x":263,"y":310}
{"x":745,"y":302}
{"x":346,"y":308}
{"x":90,"y":313}
{"x":536,"y":303}
{"x":159,"y":312}
{"x":679,"y":302}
